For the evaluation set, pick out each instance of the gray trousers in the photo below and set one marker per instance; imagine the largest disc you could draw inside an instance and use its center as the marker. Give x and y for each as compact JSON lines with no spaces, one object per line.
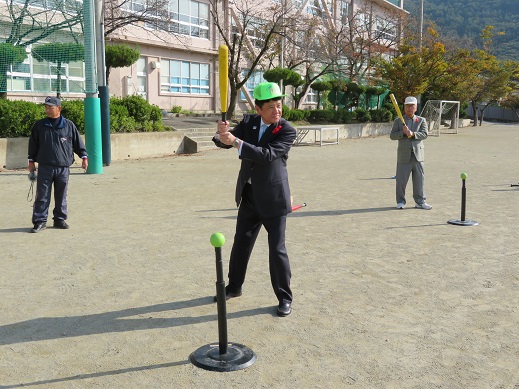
{"x":47,"y":176}
{"x":403,"y":171}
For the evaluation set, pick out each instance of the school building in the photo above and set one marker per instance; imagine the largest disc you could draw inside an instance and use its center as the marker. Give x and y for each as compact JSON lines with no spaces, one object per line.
{"x":178,"y":63}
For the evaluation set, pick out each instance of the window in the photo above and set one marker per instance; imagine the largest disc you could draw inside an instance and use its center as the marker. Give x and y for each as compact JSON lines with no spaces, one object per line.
{"x":184,"y":77}
{"x":311,"y":97}
{"x":255,"y":79}
{"x":142,"y":77}
{"x":385,"y":29}
{"x":41,"y":76}
{"x":254,"y":30}
{"x":314,"y":7}
{"x":364,"y":21}
{"x":345,"y":11}
{"x":67,"y":6}
{"x":18,"y":78}
{"x":186,"y":17}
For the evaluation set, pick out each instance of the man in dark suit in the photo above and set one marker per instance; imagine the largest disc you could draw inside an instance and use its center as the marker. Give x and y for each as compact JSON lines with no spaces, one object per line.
{"x":262,"y":192}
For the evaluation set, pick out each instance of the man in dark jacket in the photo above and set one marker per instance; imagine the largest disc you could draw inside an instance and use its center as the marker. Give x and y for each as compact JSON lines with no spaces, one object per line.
{"x":52,"y":144}
{"x":262,"y":191}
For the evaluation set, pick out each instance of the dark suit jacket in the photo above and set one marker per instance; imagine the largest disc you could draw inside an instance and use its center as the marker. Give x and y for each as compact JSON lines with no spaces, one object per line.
{"x":264,"y":163}
{"x":408,"y":146}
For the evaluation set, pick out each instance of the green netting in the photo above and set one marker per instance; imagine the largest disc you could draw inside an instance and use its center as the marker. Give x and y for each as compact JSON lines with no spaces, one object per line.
{"x":42,"y":46}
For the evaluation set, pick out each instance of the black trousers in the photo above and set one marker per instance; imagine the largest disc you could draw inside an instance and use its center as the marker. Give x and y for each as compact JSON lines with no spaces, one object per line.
{"x":247,"y":229}
{"x":47,"y":176}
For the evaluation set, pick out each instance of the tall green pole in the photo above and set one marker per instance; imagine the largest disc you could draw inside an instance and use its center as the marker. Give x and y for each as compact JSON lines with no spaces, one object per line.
{"x":93,"y":139}
{"x":104,"y":94}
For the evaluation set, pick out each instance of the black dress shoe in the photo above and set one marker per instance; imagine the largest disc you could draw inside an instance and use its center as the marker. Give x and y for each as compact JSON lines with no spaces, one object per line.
{"x":61,"y":224}
{"x":230,"y":294}
{"x":284,"y":309}
{"x":38,"y":227}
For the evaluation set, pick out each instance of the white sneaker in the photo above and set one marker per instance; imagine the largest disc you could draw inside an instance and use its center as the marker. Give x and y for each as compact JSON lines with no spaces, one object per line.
{"x":424,"y":205}
{"x":400,"y":206}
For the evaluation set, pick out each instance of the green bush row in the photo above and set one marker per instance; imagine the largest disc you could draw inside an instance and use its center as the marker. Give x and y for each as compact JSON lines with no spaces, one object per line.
{"x":128,"y":114}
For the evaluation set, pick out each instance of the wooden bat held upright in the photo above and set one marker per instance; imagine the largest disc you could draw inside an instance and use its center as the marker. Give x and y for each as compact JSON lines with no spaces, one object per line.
{"x":397,"y":109}
{"x":223,"y":63}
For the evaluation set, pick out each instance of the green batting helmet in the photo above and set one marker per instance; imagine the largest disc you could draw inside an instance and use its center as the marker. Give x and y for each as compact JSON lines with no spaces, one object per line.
{"x":267,"y":91}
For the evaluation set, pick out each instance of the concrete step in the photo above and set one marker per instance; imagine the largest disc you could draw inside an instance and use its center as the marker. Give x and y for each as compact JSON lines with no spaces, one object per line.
{"x":196,"y":139}
{"x":199,"y":134}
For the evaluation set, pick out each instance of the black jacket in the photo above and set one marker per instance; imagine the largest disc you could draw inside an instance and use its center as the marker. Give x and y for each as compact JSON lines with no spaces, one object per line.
{"x":264,"y":163}
{"x":55,"y":146}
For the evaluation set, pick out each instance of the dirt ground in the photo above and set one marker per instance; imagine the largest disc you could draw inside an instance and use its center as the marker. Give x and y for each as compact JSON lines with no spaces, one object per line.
{"x":383,"y":298}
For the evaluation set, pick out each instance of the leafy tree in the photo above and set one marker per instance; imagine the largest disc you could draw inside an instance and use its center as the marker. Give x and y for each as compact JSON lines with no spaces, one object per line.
{"x":338,"y":89}
{"x":413,"y":70}
{"x":29,"y":25}
{"x":351,"y":97}
{"x":10,"y":55}
{"x":372,"y":91}
{"x":311,"y":52}
{"x":321,"y":86}
{"x":288,"y":76}
{"x":511,"y":102}
{"x":59,"y":53}
{"x":493,"y":79}
{"x":118,"y":56}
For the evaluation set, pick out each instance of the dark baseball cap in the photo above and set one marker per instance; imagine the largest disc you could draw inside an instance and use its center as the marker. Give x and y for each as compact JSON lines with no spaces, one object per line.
{"x":52,"y":101}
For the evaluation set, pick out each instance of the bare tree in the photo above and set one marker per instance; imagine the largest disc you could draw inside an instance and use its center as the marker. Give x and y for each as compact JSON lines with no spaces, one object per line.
{"x":121,"y":14}
{"x":362,"y":36}
{"x":326,"y":42}
{"x":251,"y":31}
{"x":28,"y":24}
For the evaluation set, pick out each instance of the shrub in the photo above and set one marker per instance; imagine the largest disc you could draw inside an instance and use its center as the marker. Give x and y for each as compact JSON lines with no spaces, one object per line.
{"x":287,"y":112}
{"x":120,"y":120}
{"x":344,"y":115}
{"x":363,"y":115}
{"x":323,"y":115}
{"x":155,"y":114}
{"x":74,"y":110}
{"x":138,"y":108}
{"x":176,"y":109}
{"x":18,"y":117}
{"x":381,"y":115}
{"x":298,"y":115}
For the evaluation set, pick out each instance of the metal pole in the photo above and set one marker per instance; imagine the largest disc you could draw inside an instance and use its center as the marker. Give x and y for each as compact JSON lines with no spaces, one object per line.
{"x":463,"y":201}
{"x":92,"y":105}
{"x":221,"y":303}
{"x":421,"y":23}
{"x":104,"y":94}
{"x":282,"y":57}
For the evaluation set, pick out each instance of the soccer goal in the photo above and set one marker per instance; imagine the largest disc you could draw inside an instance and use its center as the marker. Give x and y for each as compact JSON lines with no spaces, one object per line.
{"x":442,"y":116}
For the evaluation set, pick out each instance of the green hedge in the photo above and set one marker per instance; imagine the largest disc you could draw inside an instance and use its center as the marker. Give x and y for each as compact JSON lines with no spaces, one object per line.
{"x":129,"y":114}
{"x":295,"y":114}
{"x":17,"y":118}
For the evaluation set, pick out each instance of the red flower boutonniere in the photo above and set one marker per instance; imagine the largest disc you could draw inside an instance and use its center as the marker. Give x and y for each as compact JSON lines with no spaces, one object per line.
{"x":416,"y":120}
{"x":276,"y":130}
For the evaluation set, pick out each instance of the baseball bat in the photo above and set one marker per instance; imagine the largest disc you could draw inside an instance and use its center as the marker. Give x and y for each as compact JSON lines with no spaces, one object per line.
{"x":397,"y":109}
{"x":296,"y":207}
{"x":223,"y":62}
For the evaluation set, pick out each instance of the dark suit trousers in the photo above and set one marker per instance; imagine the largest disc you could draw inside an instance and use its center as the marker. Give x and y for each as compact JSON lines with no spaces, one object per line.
{"x":48,"y":175}
{"x":247,"y":229}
